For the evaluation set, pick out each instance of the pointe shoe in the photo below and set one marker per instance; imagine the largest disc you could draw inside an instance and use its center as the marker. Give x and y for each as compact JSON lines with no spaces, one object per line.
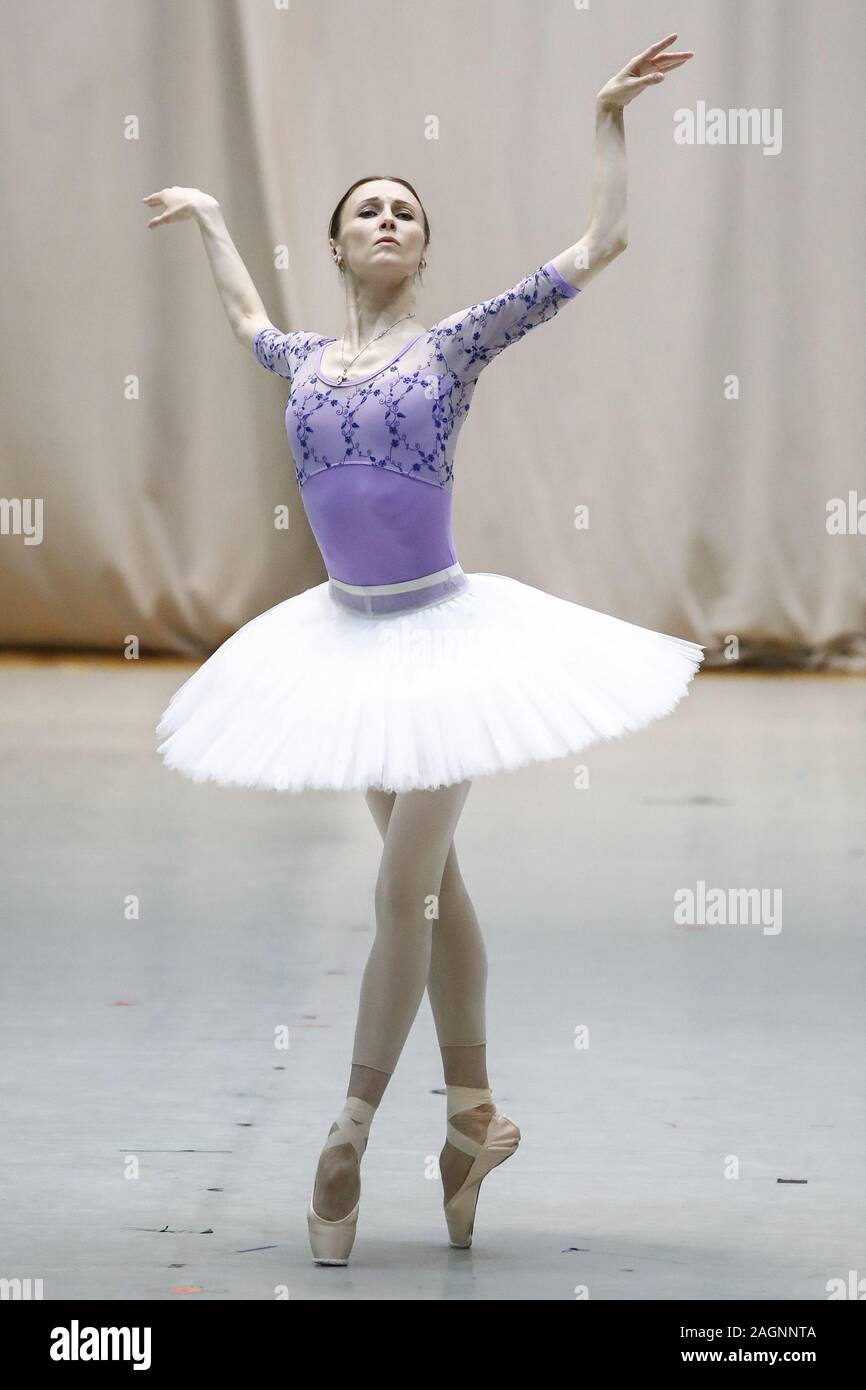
{"x":500,"y":1142}
{"x":331,"y":1241}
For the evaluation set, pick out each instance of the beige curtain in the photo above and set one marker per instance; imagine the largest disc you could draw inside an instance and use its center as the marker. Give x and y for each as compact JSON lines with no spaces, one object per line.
{"x":702,"y":398}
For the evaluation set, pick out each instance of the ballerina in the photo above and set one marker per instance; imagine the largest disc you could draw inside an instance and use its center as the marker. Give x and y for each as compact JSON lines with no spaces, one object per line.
{"x":401,"y":675}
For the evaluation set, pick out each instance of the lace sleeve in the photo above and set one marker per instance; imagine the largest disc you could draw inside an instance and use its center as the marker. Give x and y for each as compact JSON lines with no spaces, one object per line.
{"x":467,"y":341}
{"x":282,"y":353}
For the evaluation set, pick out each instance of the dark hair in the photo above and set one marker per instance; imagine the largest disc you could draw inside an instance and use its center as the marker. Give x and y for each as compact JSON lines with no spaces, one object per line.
{"x":334,"y":225}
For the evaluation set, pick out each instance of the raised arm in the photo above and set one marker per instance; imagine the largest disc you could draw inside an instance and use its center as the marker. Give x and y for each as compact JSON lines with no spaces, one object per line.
{"x":607,"y":234}
{"x":244,"y":309}
{"x":464,"y":343}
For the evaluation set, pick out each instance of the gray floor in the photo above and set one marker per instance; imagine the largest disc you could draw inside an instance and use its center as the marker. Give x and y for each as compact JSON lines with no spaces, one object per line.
{"x":155,"y":1141}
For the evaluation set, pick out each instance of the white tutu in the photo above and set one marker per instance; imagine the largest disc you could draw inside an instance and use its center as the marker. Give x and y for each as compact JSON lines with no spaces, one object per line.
{"x":312,"y":695}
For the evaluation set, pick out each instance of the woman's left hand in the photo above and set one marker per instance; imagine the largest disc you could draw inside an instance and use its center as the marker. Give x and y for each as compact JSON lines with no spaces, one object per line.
{"x":643,"y":71}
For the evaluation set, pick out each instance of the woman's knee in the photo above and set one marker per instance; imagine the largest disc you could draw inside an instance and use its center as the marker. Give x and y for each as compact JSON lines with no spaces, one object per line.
{"x":406,"y":896}
{"x":452,"y":879}
{"x":403,"y":897}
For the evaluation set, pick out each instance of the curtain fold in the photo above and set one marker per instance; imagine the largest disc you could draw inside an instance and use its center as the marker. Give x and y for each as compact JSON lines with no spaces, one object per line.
{"x":702,"y":397}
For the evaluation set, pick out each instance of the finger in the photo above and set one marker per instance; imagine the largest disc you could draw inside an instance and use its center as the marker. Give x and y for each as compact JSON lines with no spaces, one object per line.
{"x":637,"y":83}
{"x":656,"y":47}
{"x":668,"y":60}
{"x":668,"y":67}
{"x":662,"y":43}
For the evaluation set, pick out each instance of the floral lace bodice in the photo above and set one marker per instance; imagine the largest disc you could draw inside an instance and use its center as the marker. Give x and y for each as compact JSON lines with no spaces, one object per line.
{"x":407,"y":416}
{"x":402,"y":421}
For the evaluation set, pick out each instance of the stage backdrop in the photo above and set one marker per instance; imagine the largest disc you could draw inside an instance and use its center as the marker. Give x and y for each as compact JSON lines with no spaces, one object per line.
{"x":702,"y":398}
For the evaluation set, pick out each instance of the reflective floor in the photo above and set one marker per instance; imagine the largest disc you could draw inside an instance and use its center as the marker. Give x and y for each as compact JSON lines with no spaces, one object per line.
{"x":675,"y":931}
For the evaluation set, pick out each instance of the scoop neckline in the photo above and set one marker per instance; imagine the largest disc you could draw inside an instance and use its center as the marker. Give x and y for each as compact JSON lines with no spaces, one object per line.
{"x":356,"y":380}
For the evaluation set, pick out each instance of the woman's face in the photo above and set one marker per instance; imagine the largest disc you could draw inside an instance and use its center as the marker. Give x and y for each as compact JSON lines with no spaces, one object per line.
{"x":381,"y":231}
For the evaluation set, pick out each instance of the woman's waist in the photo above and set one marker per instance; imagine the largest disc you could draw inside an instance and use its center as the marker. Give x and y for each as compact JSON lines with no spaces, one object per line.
{"x":400,"y":596}
{"x":376,"y":529}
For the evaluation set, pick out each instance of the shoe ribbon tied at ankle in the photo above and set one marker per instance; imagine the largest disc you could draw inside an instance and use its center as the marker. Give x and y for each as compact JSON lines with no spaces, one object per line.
{"x":353,"y":1125}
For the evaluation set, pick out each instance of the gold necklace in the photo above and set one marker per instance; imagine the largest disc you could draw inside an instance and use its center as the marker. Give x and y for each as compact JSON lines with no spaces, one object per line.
{"x":342,"y":377}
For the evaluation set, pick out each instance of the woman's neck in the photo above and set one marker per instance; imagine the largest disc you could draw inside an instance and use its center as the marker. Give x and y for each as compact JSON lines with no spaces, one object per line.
{"x":368,"y":316}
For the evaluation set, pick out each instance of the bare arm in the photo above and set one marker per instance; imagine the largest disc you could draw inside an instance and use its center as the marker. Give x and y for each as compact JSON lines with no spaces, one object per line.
{"x":241,"y":300}
{"x":607,"y":233}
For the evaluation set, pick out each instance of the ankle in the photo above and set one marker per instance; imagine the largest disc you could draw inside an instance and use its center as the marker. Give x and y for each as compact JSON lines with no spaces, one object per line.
{"x":356,"y":1116}
{"x":351,"y":1127}
{"x":368,"y":1083}
{"x":459,"y":1098}
{"x":465,"y":1065}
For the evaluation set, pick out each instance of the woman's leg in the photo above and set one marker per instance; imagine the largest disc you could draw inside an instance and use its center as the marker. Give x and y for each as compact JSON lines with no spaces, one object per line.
{"x":457,"y":985}
{"x":457,"y":982}
{"x":420,"y":828}
{"x":416,"y":844}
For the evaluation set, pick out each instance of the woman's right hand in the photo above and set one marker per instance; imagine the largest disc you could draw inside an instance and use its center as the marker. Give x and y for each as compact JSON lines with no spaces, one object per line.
{"x":647,"y":68}
{"x":181,"y":204}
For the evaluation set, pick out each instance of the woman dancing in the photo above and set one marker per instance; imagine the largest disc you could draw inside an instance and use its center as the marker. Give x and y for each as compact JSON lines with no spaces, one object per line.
{"x":401,"y":675}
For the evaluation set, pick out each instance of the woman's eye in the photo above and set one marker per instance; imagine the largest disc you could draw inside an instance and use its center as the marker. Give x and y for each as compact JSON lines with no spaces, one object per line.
{"x":404,"y":212}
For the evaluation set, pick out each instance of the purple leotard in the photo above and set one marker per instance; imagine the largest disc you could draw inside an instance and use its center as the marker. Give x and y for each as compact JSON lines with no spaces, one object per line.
{"x":362,"y":449}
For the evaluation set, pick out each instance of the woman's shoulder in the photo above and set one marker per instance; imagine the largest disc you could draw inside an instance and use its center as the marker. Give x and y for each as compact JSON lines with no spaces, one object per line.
{"x":284,"y":353}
